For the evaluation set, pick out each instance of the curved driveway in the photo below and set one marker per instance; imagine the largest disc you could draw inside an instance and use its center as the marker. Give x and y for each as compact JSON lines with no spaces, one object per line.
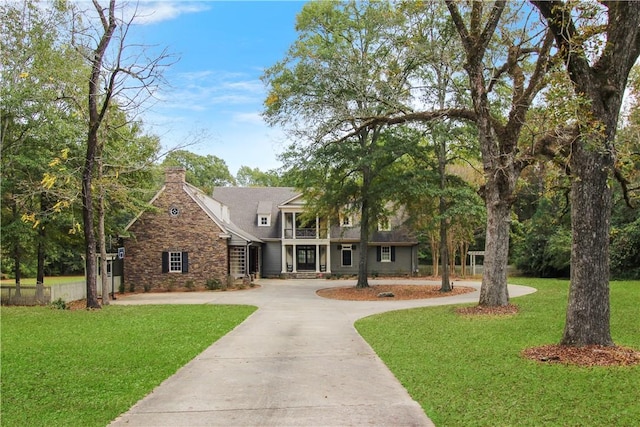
{"x":297,"y":361}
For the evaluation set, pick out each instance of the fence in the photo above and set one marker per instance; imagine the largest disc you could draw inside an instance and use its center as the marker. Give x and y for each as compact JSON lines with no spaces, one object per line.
{"x":27,"y":295}
{"x":65,"y":291}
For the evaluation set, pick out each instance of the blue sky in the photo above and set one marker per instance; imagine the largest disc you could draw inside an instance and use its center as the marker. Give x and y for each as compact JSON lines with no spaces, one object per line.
{"x":215,"y":89}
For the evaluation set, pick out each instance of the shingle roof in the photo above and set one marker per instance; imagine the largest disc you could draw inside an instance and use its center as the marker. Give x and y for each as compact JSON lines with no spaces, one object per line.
{"x":246,"y":202}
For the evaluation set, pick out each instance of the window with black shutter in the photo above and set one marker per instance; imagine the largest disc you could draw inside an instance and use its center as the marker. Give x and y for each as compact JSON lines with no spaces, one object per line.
{"x":175,"y":262}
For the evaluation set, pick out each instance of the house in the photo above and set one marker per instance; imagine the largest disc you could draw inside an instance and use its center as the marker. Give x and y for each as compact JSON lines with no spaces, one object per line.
{"x":189,"y":238}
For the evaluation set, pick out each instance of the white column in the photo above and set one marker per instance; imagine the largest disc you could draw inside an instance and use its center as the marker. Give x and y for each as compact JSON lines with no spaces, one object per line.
{"x":283,"y":261}
{"x":328,"y":269}
{"x":294,"y":254}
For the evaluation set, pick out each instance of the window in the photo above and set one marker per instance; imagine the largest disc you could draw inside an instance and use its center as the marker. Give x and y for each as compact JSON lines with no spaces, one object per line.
{"x":346,"y":221}
{"x":384,"y":225}
{"x":264,"y":220}
{"x":175,"y":262}
{"x":386,"y":254}
{"x":347,"y":255}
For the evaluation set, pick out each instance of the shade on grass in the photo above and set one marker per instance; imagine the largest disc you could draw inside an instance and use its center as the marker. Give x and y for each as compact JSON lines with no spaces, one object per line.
{"x":468,"y":371}
{"x":87,"y":367}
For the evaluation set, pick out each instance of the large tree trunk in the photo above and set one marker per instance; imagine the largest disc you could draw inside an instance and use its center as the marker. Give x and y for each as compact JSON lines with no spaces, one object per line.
{"x":87,"y":219}
{"x":494,"y":291}
{"x":592,"y":158}
{"x":101,"y":233}
{"x":96,"y":115}
{"x":363,"y":268}
{"x":588,"y":308}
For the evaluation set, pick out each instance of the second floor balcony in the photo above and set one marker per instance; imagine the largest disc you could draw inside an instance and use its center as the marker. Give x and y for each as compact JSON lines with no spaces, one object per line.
{"x":306,"y":233}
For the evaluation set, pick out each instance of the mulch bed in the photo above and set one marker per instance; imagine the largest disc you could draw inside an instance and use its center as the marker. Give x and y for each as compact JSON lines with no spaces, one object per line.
{"x":400,"y":292}
{"x":591,"y":355}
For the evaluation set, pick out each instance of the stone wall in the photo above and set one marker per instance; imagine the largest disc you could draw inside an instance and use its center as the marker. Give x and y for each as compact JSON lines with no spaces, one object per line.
{"x":177,"y":224}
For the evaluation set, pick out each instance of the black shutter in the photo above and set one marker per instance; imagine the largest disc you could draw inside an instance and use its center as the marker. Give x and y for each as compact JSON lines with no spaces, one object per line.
{"x":378,"y":253}
{"x":185,"y":262}
{"x":393,"y":253}
{"x":165,"y":262}
{"x":353,"y":247}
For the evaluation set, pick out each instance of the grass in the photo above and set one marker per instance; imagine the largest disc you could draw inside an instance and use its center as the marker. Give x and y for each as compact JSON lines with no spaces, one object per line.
{"x":85,"y":368}
{"x":469,"y":372}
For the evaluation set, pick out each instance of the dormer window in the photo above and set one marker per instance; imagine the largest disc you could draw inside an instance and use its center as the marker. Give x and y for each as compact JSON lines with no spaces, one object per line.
{"x":264,"y":213}
{"x":384,"y":225}
{"x":346,"y":221}
{"x":264,"y":220}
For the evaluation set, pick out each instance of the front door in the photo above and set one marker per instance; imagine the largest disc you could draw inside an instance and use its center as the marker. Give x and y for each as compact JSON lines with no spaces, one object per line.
{"x":306,"y":256}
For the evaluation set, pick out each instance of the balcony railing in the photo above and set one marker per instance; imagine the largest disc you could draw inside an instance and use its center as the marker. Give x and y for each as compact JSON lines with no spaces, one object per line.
{"x":305,"y":233}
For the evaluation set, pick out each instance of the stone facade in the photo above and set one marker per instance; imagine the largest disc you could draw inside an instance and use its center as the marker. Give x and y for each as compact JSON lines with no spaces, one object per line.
{"x":176,"y":224}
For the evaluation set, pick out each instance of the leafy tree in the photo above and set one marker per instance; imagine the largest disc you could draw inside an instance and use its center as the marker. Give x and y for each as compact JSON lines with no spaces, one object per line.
{"x":505,"y":71}
{"x":346,"y":64}
{"x":499,"y":130}
{"x":248,"y":177}
{"x":205,"y":172}
{"x":39,"y":120}
{"x":599,"y":77}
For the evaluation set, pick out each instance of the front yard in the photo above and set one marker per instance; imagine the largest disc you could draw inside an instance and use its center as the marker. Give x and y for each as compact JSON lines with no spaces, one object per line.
{"x":84,"y":368}
{"x":468,"y":371}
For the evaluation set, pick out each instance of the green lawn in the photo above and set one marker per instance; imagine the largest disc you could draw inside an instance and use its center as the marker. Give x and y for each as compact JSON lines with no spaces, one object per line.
{"x":468,"y":371}
{"x":84,"y":368}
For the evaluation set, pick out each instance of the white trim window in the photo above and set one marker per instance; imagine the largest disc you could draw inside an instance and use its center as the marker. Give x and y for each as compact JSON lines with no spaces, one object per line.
{"x":175,"y":262}
{"x":346,"y":255}
{"x":385,"y":254}
{"x":264,"y":220}
{"x":346,"y":221}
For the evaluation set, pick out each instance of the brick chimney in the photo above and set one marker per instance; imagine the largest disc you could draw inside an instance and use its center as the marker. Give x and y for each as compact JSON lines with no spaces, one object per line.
{"x":174,"y":175}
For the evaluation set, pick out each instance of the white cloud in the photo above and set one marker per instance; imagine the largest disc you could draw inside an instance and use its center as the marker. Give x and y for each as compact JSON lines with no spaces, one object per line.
{"x":151,"y":12}
{"x":200,"y":90}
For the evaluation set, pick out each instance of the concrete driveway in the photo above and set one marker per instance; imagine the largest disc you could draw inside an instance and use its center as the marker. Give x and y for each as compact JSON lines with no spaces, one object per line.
{"x":296,"y":361}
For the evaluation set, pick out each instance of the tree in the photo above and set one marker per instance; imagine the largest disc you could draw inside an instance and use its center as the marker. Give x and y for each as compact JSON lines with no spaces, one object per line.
{"x":107,"y":81}
{"x":600,"y":78}
{"x":39,"y":120}
{"x":346,"y":64}
{"x":499,"y":134}
{"x":205,"y":172}
{"x":248,"y":177}
{"x":501,"y":99}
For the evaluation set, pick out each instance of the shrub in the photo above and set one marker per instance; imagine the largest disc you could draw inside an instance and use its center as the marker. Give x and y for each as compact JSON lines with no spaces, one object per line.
{"x":215,"y":285}
{"x":59,"y":304}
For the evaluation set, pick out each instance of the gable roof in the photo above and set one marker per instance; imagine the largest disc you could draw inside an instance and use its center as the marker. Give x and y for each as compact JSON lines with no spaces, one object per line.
{"x":214,"y":209}
{"x":245,"y":203}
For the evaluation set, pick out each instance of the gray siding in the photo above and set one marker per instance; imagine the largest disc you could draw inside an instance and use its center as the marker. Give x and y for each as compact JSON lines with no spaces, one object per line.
{"x":405,"y":263}
{"x":336,"y":259}
{"x":271,"y":259}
